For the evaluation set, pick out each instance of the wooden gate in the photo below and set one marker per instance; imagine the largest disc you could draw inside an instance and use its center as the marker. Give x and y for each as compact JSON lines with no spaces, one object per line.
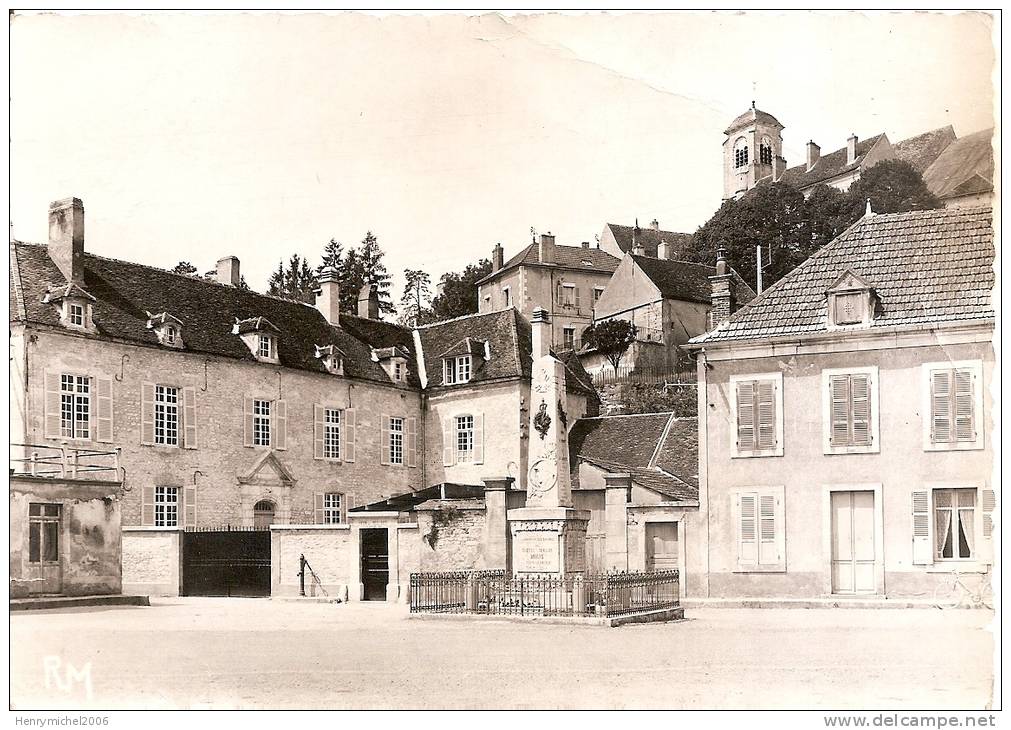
{"x":234,"y":562}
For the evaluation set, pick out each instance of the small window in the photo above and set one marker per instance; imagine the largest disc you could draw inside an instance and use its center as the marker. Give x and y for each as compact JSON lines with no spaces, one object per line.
{"x":75,"y":406}
{"x":568,"y":338}
{"x":75,"y":314}
{"x":456,"y":369}
{"x":43,"y":533}
{"x":569,"y":295}
{"x":170,"y":335}
{"x":954,"y":524}
{"x":261,"y":422}
{"x":597,"y":291}
{"x":265,"y":348}
{"x":850,"y":407}
{"x":332,"y":506}
{"x":955,"y":405}
{"x":398,"y":371}
{"x":332,"y":433}
{"x":507,"y":296}
{"x":166,"y":506}
{"x":850,"y":308}
{"x":263,"y":514}
{"x":758,"y":415}
{"x":166,"y":415}
{"x":396,"y":440}
{"x":464,"y":439}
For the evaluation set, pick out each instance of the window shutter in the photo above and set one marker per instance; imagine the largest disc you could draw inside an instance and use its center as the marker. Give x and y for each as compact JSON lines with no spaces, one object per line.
{"x":988,"y":502}
{"x":190,"y":418}
{"x":766,"y":407}
{"x":384,"y":440}
{"x":347,"y":503}
{"x":189,"y":506}
{"x":840,"y":410}
{"x":860,"y":393}
{"x":767,"y":548}
{"x":940,"y":406}
{"x":102,"y":414}
{"x":52,"y":402}
{"x":747,"y":542}
{"x":147,"y":413}
{"x":318,"y":506}
{"x":318,"y":431}
{"x":412,"y":442}
{"x":348,"y":428}
{"x":479,"y":438}
{"x":448,"y":442}
{"x":746,"y":415}
{"x":923,"y":553}
{"x":578,"y":297}
{"x":279,"y":424}
{"x":964,"y":427}
{"x":147,"y":506}
{"x":247,"y":421}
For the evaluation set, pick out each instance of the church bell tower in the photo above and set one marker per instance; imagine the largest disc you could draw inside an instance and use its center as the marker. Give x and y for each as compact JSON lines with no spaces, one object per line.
{"x":752,"y":151}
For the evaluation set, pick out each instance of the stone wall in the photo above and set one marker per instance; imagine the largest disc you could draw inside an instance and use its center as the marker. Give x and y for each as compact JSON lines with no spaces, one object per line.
{"x":452,"y":538}
{"x":329,"y":550}
{"x":152,"y":561}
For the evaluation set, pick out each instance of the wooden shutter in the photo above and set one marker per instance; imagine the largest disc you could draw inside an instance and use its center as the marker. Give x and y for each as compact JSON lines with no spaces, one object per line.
{"x":765,"y":407}
{"x":412,"y":442}
{"x":747,"y":537}
{"x":940,"y":406}
{"x":964,"y":403}
{"x":860,"y":410}
{"x":746,"y":415}
{"x":988,"y":503}
{"x":448,"y":442}
{"x":247,"y":421}
{"x":384,"y":439}
{"x":189,"y":495}
{"x":923,"y":551}
{"x":190,"y":418}
{"x":147,"y":506}
{"x":319,"y":514}
{"x":279,"y":425}
{"x":318,"y":432}
{"x":52,"y":405}
{"x":839,"y":411}
{"x":578,"y":297}
{"x":348,"y":428}
{"x":147,"y":413}
{"x":347,"y":502}
{"x":101,"y":424}
{"x":479,"y":438}
{"x":768,"y":554}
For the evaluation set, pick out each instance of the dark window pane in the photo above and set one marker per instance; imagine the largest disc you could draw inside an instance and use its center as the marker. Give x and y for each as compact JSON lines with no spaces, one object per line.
{"x":52,"y":542}
{"x":34,"y":541}
{"x":52,"y":510}
{"x":34,"y":510}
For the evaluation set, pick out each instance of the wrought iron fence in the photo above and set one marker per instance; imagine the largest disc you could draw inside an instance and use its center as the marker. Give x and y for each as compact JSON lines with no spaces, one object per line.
{"x":65,"y":462}
{"x":493,"y":593}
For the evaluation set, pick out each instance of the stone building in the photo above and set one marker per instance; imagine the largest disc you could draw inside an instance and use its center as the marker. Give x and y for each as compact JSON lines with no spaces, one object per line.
{"x":619,"y":240}
{"x":845,"y":423}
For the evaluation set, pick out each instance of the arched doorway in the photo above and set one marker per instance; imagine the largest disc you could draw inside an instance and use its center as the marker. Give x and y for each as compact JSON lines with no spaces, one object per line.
{"x":263,"y":514}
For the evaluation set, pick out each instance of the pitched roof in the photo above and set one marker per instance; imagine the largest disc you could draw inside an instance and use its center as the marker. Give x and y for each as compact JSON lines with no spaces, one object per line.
{"x":650,"y":239}
{"x":921,"y":151}
{"x":965,"y":167}
{"x":928,"y":267}
{"x":566,"y":257}
{"x":828,"y":166}
{"x":688,"y":281}
{"x":125,"y":293}
{"x":410,"y":500}
{"x":752,"y":115}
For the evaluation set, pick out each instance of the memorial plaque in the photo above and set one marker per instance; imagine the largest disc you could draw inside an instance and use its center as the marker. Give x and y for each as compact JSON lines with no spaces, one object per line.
{"x":575,"y":553}
{"x":536,"y":552}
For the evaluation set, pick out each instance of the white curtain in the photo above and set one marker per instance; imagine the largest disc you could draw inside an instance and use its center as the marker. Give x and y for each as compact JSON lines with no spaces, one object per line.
{"x":965,"y":521}
{"x":942,"y":533}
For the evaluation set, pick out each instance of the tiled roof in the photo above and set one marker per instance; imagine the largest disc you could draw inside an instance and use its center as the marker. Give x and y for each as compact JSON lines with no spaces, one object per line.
{"x":828,"y":166}
{"x":927,"y":267}
{"x":921,"y":151}
{"x":965,"y":167}
{"x":688,"y":281}
{"x":650,"y":238}
{"x":125,"y":293}
{"x":752,"y":115}
{"x":410,"y":500}
{"x":567,"y":257}
{"x":679,"y":454}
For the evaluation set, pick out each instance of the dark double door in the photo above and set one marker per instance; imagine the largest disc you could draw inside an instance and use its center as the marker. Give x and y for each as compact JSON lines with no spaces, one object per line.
{"x":226,"y":563}
{"x":375,"y":555}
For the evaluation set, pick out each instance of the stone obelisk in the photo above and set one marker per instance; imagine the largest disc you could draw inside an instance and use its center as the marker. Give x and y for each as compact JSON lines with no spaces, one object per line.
{"x":549,"y":536}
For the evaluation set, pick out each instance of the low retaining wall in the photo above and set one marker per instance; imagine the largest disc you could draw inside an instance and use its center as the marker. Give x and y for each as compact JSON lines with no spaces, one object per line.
{"x":330,"y":551}
{"x":152,"y":560}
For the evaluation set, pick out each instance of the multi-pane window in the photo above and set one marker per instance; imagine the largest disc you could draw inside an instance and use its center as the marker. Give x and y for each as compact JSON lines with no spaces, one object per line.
{"x":952,"y":406}
{"x":464,"y":438}
{"x":331,"y":434}
{"x":261,"y":422}
{"x":758,"y":416}
{"x":851,"y":410}
{"x":265,"y":346}
{"x":954,"y":524}
{"x":332,"y":508}
{"x":75,"y":315}
{"x":166,"y":506}
{"x":740,"y":153}
{"x":765,"y":151}
{"x":166,"y":415}
{"x":568,"y":295}
{"x":568,"y":337}
{"x":398,"y":371}
{"x":396,"y":440}
{"x":75,"y":406}
{"x":170,"y":335}
{"x":456,"y":369}
{"x":43,"y":533}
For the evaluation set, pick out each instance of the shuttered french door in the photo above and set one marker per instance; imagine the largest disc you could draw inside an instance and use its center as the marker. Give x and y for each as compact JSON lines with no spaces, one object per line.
{"x":853,"y":548}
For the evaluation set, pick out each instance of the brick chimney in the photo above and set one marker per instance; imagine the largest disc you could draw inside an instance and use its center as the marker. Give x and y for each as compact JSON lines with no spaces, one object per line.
{"x":813,"y":153}
{"x":540,"y":326}
{"x":368,"y":302}
{"x":546,"y":249}
{"x":778,"y":167}
{"x":586,"y":244}
{"x":497,"y":257}
{"x":328,"y":295}
{"x":664,"y":250}
{"x":228,"y":271}
{"x":66,"y":238}
{"x":724,"y":299}
{"x":851,"y":149}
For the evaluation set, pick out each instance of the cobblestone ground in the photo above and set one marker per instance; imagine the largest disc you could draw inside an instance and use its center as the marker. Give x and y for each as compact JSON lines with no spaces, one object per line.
{"x":257,"y":653}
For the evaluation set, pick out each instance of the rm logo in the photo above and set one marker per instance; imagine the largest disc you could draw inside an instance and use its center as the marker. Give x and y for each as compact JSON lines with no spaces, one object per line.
{"x":70,"y":678}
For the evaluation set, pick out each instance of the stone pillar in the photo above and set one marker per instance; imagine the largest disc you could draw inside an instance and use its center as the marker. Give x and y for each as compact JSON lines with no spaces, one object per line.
{"x":616,"y":497}
{"x":496,"y":537}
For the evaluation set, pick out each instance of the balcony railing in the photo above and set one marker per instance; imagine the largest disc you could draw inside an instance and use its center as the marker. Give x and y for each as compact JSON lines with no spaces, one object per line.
{"x":65,"y":462}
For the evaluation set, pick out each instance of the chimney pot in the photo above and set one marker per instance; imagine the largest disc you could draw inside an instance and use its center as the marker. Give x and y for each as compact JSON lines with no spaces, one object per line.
{"x":368,"y":302}
{"x":851,"y":149}
{"x":540,"y":325}
{"x":228,"y":271}
{"x":66,"y":238}
{"x":813,"y":153}
{"x":663,"y":250}
{"x":328,"y":295}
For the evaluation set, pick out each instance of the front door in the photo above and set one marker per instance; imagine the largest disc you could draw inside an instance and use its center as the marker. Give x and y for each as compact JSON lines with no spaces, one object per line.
{"x":44,"y":571}
{"x":661,"y":546}
{"x":853,"y":549}
{"x":375,"y":563}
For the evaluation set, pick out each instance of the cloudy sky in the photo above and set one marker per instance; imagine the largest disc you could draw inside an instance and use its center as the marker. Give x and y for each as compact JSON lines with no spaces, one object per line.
{"x":197,"y":136}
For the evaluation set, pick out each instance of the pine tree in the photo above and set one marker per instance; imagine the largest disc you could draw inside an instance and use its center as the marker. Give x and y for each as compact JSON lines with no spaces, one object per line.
{"x":416,"y":297}
{"x":295,"y":281}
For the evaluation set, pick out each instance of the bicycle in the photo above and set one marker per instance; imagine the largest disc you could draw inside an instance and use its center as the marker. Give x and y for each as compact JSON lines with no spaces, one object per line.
{"x":959,"y":595}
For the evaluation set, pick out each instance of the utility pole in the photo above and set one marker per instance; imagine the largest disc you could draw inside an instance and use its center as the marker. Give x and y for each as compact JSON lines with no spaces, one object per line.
{"x":758,"y":267}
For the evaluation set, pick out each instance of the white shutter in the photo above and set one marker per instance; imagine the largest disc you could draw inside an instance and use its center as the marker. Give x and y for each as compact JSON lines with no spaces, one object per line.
{"x":103,"y":410}
{"x":384,"y":440}
{"x":147,"y":506}
{"x":766,"y":412}
{"x":578,"y":298}
{"x":318,"y":431}
{"x":964,"y":401}
{"x":318,"y":513}
{"x":412,"y":442}
{"x":448,"y":442}
{"x":348,"y":429}
{"x":190,"y":418}
{"x":189,"y":495}
{"x":279,"y":423}
{"x":479,"y":438}
{"x":988,"y":503}
{"x":940,"y":406}
{"x":768,"y":554}
{"x":247,"y":421}
{"x":923,"y":552}
{"x":860,"y":394}
{"x":52,"y":405}
{"x":840,"y":410}
{"x":747,"y":537}
{"x":147,"y":415}
{"x":746,"y":415}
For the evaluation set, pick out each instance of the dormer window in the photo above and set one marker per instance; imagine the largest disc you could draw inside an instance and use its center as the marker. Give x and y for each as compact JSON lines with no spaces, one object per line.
{"x":169,"y":329}
{"x":394,"y":361}
{"x":73,"y":305}
{"x":852,"y":302}
{"x":332,"y":357}
{"x":456,"y":370}
{"x":266,"y":347}
{"x":75,"y":314}
{"x":260,"y":336}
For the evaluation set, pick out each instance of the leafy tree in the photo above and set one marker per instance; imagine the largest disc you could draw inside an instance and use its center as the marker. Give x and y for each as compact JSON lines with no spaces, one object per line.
{"x":458,"y":291}
{"x":612,"y":338}
{"x":295,"y":281}
{"x":184,"y":267}
{"x":416,"y":297}
{"x":893,"y":186}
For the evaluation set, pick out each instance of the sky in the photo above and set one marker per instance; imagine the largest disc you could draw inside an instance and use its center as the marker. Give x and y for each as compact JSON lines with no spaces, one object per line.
{"x":192,"y":137}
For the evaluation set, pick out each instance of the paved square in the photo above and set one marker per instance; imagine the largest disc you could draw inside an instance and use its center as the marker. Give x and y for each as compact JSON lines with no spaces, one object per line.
{"x":258,"y":653}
